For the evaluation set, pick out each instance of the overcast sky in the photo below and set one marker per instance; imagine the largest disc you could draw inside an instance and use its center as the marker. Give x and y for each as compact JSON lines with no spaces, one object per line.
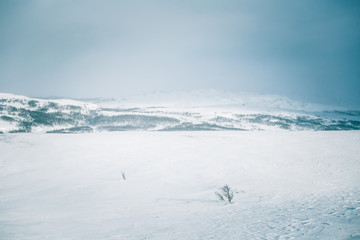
{"x":307,"y":50}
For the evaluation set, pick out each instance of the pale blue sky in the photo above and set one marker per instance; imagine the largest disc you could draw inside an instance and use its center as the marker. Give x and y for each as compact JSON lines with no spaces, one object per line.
{"x":307,"y":50}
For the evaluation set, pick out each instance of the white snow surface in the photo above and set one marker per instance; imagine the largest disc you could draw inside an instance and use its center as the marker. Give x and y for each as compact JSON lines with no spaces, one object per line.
{"x":287,"y":184}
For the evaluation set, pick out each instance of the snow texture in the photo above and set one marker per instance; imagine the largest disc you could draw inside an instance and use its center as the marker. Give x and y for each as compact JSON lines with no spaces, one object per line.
{"x":161,"y":185}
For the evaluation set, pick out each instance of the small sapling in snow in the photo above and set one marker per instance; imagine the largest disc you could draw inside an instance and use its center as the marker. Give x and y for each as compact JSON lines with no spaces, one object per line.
{"x":226,"y":194}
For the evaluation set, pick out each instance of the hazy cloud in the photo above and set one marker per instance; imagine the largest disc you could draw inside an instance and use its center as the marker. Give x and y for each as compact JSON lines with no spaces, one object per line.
{"x":308,"y":50}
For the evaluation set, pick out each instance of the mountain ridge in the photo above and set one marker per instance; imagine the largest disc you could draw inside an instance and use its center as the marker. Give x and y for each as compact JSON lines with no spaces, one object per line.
{"x":196,"y":111}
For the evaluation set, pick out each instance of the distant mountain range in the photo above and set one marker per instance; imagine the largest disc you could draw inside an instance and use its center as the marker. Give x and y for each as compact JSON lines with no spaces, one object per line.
{"x":195,"y":111}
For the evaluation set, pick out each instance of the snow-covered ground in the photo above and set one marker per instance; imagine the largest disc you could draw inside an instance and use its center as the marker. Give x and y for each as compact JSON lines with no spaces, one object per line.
{"x":288,"y":185}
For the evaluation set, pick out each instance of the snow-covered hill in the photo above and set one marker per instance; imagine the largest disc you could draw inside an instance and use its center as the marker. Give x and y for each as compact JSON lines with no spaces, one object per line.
{"x":200,"y":110}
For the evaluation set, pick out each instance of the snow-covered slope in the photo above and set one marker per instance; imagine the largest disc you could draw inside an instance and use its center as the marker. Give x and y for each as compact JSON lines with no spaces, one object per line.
{"x":287,"y":185}
{"x":23,"y":114}
{"x":201,"y":110}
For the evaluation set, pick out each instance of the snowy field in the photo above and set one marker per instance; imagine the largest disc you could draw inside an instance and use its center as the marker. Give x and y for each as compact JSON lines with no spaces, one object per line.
{"x":288,"y":185}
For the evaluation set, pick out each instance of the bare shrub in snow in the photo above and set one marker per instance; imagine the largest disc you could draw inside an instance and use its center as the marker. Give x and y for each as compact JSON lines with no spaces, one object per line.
{"x":226,"y":194}
{"x":123,"y":175}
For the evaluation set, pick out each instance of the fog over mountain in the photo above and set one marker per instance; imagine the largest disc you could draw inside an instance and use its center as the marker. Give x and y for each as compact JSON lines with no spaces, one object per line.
{"x":305,"y":50}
